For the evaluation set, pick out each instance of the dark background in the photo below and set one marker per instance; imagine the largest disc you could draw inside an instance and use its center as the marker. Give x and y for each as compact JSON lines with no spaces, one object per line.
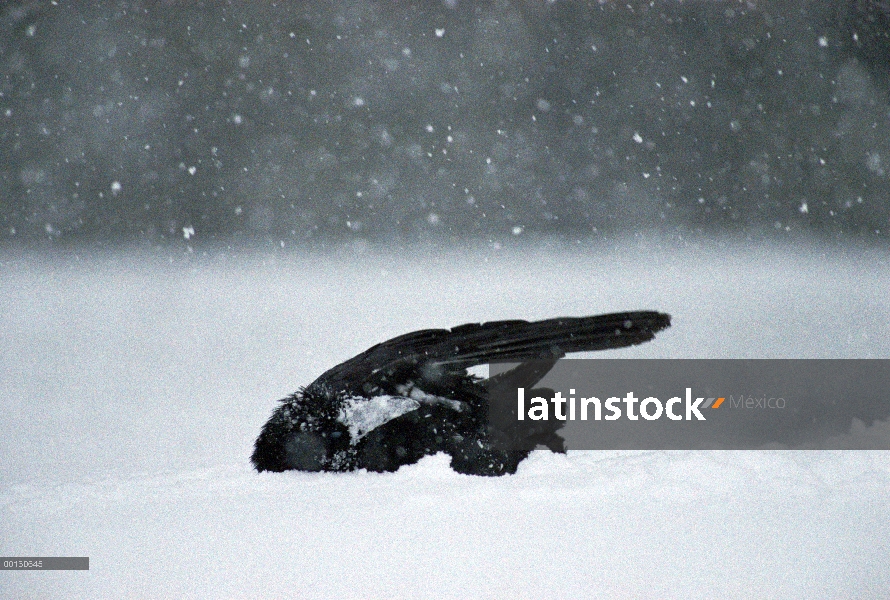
{"x":298,"y":123}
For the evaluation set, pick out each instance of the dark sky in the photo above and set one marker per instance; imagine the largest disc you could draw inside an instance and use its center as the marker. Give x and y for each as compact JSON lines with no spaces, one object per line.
{"x":326,"y":120}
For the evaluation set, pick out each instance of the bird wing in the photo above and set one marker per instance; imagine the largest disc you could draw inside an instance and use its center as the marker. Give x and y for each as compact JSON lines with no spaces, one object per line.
{"x":473,"y":344}
{"x":481,"y":343}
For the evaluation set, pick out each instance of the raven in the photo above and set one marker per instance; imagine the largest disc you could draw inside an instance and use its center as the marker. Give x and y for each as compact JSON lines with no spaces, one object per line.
{"x":412,"y":396}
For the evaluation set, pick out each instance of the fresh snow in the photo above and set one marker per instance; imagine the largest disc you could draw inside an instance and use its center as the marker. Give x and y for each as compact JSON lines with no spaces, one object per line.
{"x":133,"y":384}
{"x":362,"y":415}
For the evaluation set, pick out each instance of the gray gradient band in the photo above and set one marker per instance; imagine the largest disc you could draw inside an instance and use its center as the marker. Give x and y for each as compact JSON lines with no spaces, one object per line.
{"x":704,"y":404}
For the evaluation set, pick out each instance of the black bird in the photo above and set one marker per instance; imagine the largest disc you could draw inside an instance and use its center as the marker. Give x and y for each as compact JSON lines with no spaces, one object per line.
{"x":412,"y":396}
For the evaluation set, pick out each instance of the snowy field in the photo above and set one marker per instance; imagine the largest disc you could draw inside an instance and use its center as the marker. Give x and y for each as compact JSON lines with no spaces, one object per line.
{"x":133,"y":384}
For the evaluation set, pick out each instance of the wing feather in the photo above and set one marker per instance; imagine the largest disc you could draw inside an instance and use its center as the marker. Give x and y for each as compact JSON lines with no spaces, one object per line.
{"x":481,"y":343}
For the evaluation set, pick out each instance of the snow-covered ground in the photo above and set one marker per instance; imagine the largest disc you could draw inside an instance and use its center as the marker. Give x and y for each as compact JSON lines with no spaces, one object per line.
{"x":132,"y":386}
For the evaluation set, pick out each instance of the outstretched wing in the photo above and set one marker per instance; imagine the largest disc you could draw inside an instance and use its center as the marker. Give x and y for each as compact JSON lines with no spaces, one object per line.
{"x":471,"y":345}
{"x":452,"y":351}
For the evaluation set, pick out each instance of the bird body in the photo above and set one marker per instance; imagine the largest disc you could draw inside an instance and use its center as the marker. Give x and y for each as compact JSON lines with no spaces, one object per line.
{"x":412,"y":396}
